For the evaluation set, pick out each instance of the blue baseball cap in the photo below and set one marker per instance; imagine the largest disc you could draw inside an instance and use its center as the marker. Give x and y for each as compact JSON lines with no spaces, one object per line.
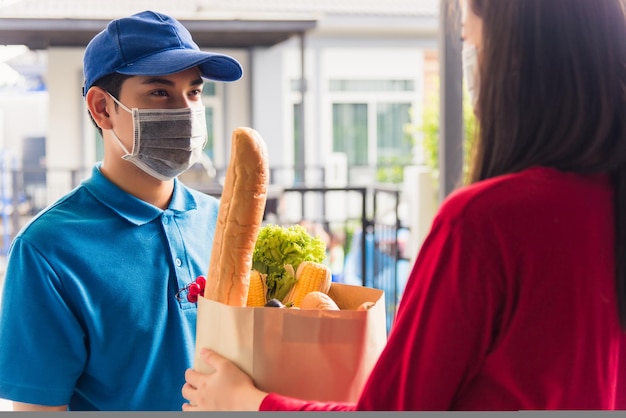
{"x":150,"y":43}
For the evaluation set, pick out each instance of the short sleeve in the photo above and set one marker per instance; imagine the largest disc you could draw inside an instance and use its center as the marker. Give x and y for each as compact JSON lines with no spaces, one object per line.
{"x":42,"y":349}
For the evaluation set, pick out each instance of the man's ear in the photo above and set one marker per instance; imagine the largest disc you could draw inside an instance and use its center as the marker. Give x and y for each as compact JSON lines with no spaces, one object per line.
{"x":97,"y":104}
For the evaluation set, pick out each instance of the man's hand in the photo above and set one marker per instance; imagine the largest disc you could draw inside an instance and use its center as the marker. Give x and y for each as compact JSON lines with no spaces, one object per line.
{"x":226,"y":389}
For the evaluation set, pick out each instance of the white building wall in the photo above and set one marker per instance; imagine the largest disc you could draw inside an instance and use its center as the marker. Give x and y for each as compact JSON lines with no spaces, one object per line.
{"x":270,"y":111}
{"x":236,"y":99}
{"x":22,"y":115}
{"x":262,"y":99}
{"x":65,"y":143}
{"x":326,"y":58}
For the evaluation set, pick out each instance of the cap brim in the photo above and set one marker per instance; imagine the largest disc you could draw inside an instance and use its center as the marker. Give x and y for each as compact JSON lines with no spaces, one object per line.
{"x":213,"y":66}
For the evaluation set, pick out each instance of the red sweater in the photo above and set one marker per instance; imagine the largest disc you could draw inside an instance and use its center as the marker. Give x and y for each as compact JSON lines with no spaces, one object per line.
{"x":510,"y":304}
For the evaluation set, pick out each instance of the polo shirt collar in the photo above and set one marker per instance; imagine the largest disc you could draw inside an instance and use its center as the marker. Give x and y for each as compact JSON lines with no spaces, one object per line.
{"x":131,"y":208}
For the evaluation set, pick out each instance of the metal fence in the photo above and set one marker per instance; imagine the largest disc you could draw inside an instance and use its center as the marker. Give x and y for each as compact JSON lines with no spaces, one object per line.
{"x":365,"y":217}
{"x":24,"y":192}
{"x":370,"y":221}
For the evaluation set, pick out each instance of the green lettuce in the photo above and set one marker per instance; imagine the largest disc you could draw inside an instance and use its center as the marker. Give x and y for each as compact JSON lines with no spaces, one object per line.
{"x":278,"y":252}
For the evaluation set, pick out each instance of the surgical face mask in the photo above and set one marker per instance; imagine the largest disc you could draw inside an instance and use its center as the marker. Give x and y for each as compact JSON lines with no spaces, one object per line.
{"x":166,"y":141}
{"x":470,"y":71}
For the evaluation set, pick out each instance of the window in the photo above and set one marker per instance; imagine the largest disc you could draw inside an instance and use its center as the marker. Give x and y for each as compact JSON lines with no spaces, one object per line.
{"x":350,"y":132}
{"x":391,"y":139}
{"x":372,"y":85}
{"x":209,"y":148}
{"x":369,"y":117}
{"x":211,"y":102}
{"x":297,"y":143}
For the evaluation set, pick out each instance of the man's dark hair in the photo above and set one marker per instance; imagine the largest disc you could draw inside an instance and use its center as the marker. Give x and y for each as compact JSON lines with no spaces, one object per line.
{"x":113,"y":84}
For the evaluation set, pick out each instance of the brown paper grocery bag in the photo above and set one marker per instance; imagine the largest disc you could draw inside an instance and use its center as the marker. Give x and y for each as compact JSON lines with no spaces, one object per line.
{"x":308,"y":354}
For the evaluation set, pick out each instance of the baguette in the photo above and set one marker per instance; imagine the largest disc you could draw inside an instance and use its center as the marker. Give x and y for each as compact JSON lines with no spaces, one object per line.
{"x":239,"y":219}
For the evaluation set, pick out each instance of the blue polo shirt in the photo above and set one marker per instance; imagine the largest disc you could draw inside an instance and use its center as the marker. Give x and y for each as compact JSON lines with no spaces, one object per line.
{"x":89,"y":315}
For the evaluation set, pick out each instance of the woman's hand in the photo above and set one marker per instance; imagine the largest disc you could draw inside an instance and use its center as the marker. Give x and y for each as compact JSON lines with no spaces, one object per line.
{"x":226,"y":389}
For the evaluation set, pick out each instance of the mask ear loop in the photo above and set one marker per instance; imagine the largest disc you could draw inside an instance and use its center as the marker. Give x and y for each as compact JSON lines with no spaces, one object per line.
{"x":119,"y":141}
{"x":471,"y":71}
{"x":120,"y":103}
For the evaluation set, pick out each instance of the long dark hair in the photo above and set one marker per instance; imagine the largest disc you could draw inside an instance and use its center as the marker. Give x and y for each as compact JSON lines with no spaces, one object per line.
{"x":553,"y":93}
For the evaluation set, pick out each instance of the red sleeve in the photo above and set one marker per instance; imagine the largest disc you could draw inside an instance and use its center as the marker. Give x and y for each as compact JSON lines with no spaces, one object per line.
{"x":275,"y":402}
{"x":443,"y":325}
{"x":620,"y":392}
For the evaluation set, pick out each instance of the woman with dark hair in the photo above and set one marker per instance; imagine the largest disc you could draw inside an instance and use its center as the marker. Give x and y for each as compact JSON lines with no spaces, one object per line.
{"x":517,"y":300}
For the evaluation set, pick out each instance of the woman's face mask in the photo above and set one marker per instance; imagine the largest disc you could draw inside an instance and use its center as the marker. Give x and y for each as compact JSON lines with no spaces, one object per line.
{"x":166,"y":142}
{"x":470,"y":71}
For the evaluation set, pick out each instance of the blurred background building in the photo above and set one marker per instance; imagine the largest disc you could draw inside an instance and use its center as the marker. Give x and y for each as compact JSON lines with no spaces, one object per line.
{"x":334,"y":87}
{"x":339,"y":89}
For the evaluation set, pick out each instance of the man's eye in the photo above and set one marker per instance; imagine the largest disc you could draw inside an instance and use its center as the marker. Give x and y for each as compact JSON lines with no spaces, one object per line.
{"x":159,"y":93}
{"x":196,"y":92}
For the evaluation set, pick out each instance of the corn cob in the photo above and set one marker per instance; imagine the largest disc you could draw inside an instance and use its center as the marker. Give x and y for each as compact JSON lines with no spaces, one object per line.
{"x":309,"y":277}
{"x":257,"y":290}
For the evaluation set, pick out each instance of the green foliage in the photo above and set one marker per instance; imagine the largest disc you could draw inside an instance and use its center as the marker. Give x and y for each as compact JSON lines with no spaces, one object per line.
{"x":350,"y":227}
{"x":428,"y":132}
{"x":426,"y":135}
{"x":278,"y":252}
{"x":391,"y":169}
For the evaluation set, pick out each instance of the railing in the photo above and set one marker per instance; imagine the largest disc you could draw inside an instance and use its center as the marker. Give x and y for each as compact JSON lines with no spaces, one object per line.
{"x":24,"y":192}
{"x":376,"y":247}
{"x":367,"y":216}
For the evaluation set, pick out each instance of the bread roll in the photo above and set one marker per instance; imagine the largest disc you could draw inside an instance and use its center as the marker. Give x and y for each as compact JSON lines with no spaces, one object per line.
{"x":318,"y":300}
{"x":365,"y":306}
{"x":239,"y":219}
